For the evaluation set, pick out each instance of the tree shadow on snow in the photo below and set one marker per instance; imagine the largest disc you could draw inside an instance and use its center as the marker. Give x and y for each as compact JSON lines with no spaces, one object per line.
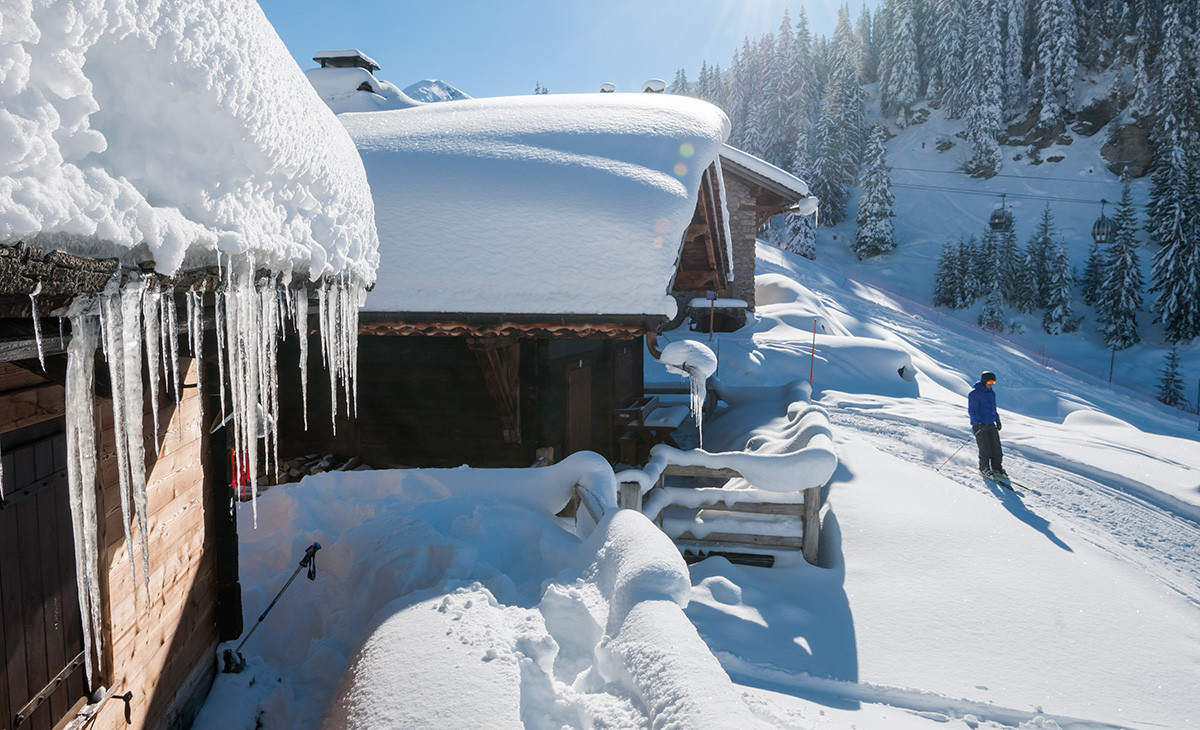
{"x":1013,"y":502}
{"x":799,"y":632}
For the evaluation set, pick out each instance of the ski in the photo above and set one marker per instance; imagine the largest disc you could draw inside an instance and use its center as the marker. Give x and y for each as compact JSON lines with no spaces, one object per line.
{"x":1008,"y":483}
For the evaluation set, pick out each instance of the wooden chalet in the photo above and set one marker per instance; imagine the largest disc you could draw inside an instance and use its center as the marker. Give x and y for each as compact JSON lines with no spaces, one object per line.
{"x":156,"y":659}
{"x":441,"y":388}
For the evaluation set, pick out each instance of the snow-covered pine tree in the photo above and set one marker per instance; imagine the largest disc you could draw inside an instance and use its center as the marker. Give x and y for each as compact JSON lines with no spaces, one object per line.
{"x":1010,"y":266}
{"x":1056,"y":59}
{"x":680,"y":85}
{"x":1039,"y":252}
{"x":992,"y":316}
{"x":803,"y":106}
{"x":1093,"y":275}
{"x":985,"y":117}
{"x":1173,"y":212}
{"x":944,"y":52}
{"x":1024,"y":296}
{"x":987,"y":260}
{"x":781,"y":114}
{"x":875,"y":230}
{"x":968,"y":272}
{"x":800,"y":235}
{"x":947,"y":282}
{"x":1016,"y":87}
{"x":840,"y":126}
{"x":869,"y":53}
{"x":1121,"y":292}
{"x":1170,"y":382}
{"x":900,"y":69}
{"x":1058,"y":317}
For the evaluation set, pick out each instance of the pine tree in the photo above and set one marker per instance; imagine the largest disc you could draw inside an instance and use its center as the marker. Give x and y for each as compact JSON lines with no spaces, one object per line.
{"x":1170,"y":383}
{"x":840,"y":126}
{"x":803,"y":105}
{"x":947,"y":285}
{"x":1039,"y":254}
{"x":968,"y":272}
{"x":992,"y":316}
{"x":680,"y":85}
{"x":1057,"y":59}
{"x":1016,"y":88}
{"x":1024,"y":296}
{"x":1093,"y":275}
{"x":800,"y":235}
{"x":875,"y":230}
{"x":900,"y":71}
{"x":1010,"y":266}
{"x":868,"y":52}
{"x":985,"y":118}
{"x":1058,"y":317}
{"x":780,"y":112}
{"x":944,"y":58}
{"x":1121,"y":293}
{"x":1173,"y":213}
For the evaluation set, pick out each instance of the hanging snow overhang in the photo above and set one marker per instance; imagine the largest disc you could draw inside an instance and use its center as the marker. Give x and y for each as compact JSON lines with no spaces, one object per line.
{"x":774,"y":190}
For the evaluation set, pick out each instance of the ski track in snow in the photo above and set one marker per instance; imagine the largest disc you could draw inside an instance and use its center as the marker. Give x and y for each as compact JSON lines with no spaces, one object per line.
{"x":1109,"y":518}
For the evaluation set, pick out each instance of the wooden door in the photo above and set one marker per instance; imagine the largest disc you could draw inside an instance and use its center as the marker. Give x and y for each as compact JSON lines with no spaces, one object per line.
{"x":39,"y":607}
{"x":579,"y":408}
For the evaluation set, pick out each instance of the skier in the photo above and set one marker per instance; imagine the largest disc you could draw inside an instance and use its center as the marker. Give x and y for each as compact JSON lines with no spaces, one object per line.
{"x":985,"y":423}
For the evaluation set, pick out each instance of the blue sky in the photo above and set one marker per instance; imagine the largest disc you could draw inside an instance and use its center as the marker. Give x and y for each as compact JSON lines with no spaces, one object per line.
{"x":500,"y":48}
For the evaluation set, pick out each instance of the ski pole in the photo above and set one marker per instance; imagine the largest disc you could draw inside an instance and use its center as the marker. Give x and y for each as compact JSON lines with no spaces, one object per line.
{"x":308,"y":561}
{"x":960,"y":448}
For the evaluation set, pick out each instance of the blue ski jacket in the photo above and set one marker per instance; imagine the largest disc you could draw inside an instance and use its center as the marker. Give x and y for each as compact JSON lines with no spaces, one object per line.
{"x":981,"y":405}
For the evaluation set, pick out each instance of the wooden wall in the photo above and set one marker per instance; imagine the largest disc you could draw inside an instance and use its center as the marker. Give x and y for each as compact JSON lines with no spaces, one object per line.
{"x":162,"y":651}
{"x":425,"y":401}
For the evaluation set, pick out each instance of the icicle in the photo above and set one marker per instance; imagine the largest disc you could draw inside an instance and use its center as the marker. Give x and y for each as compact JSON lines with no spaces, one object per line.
{"x":81,"y":473}
{"x":173,"y":334}
{"x":197,"y":330}
{"x":37,"y":324}
{"x":219,"y":309}
{"x":150,"y":306}
{"x":131,"y":345}
{"x":301,"y":318}
{"x":110,"y":305}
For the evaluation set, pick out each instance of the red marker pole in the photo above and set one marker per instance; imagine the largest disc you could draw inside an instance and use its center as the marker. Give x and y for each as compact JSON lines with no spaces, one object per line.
{"x":813,"y":359}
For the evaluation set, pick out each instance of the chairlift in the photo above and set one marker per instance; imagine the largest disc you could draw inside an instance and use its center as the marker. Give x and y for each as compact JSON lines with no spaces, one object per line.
{"x":1104,"y":229}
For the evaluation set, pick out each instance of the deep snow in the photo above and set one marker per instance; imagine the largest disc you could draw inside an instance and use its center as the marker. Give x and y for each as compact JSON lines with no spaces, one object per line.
{"x":941,"y":600}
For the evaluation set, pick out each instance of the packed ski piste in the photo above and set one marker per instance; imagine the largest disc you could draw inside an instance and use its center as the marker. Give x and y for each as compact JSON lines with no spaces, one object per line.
{"x":454,"y":598}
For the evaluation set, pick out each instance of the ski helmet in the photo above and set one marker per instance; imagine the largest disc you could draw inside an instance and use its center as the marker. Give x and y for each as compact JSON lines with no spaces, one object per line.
{"x":988,"y":375}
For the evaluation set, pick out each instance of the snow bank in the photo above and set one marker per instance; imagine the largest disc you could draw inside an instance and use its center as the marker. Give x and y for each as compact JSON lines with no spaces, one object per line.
{"x":170,"y":130}
{"x":573,"y":204}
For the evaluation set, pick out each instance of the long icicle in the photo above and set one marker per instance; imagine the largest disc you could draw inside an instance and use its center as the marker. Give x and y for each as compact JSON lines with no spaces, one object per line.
{"x":81,"y":472}
{"x":131,"y":345}
{"x":150,"y":322}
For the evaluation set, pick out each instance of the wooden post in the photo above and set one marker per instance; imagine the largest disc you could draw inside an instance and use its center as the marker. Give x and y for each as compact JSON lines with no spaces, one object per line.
{"x":630,"y":496}
{"x":812,"y":524}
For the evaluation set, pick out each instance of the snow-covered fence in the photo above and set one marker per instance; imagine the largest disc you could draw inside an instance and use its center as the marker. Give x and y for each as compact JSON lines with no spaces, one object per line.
{"x":773,"y":498}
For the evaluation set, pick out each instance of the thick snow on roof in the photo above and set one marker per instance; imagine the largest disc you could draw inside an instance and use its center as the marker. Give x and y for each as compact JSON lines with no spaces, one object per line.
{"x":174,"y":128}
{"x":347,"y":53}
{"x":764,"y":168}
{"x":537,"y":204}
{"x":342,"y":89}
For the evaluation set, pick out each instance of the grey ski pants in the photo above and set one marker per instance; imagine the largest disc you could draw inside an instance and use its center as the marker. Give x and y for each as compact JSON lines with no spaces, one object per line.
{"x":990,"y":456}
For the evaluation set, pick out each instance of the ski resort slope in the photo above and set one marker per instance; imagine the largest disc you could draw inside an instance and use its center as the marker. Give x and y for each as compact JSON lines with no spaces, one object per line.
{"x":452,"y":598}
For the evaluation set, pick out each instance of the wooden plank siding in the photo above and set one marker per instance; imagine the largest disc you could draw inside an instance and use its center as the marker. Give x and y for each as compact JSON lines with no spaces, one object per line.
{"x":162,"y":652}
{"x":431,"y":401}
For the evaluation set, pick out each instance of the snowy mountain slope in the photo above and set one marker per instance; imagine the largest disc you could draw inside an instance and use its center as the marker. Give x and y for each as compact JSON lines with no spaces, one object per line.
{"x":431,"y":90}
{"x":935,"y":202}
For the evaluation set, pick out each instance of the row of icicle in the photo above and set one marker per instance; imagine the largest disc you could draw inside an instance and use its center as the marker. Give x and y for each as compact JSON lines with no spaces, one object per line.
{"x":252,"y":313}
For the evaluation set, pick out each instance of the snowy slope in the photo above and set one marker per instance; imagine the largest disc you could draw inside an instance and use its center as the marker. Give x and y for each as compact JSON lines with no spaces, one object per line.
{"x":935,"y":202}
{"x":941,"y":601}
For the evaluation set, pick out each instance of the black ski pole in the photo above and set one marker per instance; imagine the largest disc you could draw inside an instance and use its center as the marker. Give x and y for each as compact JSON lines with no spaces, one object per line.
{"x":960,"y":448}
{"x":309,"y":561}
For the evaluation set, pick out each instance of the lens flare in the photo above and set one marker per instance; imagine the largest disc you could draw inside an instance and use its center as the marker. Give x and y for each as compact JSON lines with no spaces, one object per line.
{"x":662,"y":226}
{"x":686,"y":150}
{"x":680,"y":169}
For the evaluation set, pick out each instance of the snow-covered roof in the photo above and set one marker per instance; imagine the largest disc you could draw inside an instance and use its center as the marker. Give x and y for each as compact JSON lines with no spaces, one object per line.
{"x":356,"y":89}
{"x":349,"y":53}
{"x":159,"y":129}
{"x":762,"y":168}
{"x":568,"y":204}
